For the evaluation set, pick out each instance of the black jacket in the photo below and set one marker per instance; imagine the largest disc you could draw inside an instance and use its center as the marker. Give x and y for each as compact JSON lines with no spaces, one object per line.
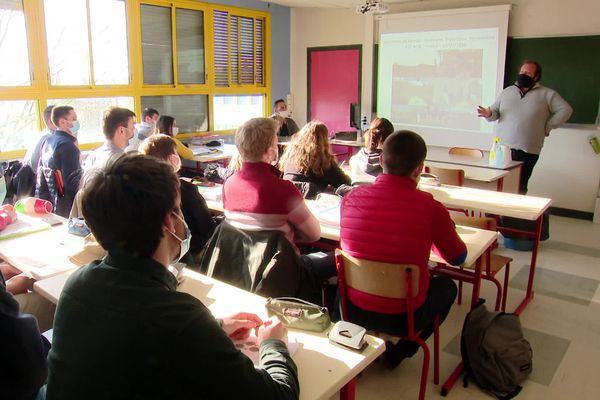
{"x":333,"y":177}
{"x":121,"y":331}
{"x":196,"y":215}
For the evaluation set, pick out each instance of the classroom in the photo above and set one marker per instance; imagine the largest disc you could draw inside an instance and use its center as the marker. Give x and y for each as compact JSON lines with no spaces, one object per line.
{"x":148,"y":61}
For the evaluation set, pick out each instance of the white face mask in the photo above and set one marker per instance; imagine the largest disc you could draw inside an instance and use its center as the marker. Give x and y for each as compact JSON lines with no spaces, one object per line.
{"x":184,"y":244}
{"x":175,"y":130}
{"x":283,"y":113}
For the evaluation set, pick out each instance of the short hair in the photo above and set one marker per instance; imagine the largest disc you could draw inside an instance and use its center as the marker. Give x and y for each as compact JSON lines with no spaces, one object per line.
{"x":159,"y":146}
{"x":277,"y":102}
{"x":538,"y":67}
{"x":378,"y":131}
{"x":125,"y":203}
{"x":59,"y":112}
{"x":165,"y":124}
{"x":48,"y":114}
{"x":254,"y":138}
{"x":403,"y":151}
{"x":113,"y":118}
{"x":149,"y":112}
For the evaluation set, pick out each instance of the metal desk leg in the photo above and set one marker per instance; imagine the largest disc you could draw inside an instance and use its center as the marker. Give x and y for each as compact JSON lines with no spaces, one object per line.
{"x":536,"y":243}
{"x":348,"y":392}
{"x":500,"y":184}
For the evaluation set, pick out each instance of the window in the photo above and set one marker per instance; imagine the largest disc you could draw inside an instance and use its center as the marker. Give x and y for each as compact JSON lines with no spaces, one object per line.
{"x":68,"y":39}
{"x":232,"y":111}
{"x":89,"y":112}
{"x":190,"y":112}
{"x":238,"y":49}
{"x":157,"y":45}
{"x":18,"y":124}
{"x":13,"y":45}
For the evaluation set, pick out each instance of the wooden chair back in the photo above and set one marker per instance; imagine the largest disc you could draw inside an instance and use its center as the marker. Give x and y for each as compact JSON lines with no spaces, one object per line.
{"x":465,"y":151}
{"x":448,"y":176}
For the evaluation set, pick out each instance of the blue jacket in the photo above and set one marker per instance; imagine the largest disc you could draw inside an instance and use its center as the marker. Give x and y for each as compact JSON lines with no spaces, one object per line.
{"x":60,"y":153}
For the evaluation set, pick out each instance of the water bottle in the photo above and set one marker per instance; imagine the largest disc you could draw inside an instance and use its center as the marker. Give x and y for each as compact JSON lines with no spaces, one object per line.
{"x":10,"y":212}
{"x":33,"y":205}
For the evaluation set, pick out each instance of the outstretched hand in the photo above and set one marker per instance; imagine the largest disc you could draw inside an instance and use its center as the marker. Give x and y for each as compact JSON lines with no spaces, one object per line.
{"x":485,"y":112}
{"x":239,"y":326}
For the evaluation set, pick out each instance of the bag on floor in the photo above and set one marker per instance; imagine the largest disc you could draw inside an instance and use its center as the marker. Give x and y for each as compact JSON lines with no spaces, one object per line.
{"x":494,"y":352}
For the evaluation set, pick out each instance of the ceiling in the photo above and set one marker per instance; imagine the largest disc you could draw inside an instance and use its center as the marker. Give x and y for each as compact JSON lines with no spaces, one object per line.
{"x":331,"y":3}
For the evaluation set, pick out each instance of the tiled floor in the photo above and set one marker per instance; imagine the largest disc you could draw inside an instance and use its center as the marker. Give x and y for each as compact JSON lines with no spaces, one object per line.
{"x":562,"y":324}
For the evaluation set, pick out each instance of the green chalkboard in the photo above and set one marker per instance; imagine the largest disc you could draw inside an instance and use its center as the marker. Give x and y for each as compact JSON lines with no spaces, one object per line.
{"x":570,"y":65}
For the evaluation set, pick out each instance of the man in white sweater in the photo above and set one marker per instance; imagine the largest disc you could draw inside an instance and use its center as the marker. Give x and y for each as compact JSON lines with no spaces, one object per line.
{"x":526,"y":112}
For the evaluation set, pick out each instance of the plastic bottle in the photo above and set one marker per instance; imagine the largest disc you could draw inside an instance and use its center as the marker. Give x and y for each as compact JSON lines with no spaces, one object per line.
{"x":10,"y":211}
{"x":33,"y":205}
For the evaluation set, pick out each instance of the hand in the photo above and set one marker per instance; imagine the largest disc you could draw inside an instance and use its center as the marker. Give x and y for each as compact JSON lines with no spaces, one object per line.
{"x":8,"y":271}
{"x":272,"y":329}
{"x":484,"y":112}
{"x":239,"y":326}
{"x":19,"y":284}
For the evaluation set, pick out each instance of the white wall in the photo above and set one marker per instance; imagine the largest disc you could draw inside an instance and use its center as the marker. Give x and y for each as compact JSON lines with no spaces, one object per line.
{"x":563,"y":172}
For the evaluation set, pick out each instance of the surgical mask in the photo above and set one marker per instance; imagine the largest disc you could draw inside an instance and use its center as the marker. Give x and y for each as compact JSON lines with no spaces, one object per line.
{"x":175,"y":130}
{"x":75,"y":127}
{"x":525,"y":81}
{"x":283,"y":113}
{"x":184,"y":244}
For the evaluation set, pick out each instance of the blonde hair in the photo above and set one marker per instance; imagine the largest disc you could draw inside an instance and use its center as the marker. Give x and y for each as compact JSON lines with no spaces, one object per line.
{"x":309,"y":151}
{"x":159,"y":146}
{"x":255,"y":137}
{"x":378,"y":131}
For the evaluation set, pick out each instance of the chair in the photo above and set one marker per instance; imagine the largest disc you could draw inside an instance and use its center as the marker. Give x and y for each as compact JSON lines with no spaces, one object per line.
{"x":465,"y":151}
{"x":497,"y":262}
{"x":447,"y":176}
{"x":393,"y":281}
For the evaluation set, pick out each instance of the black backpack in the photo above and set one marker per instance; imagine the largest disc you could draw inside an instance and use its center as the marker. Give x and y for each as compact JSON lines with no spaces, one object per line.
{"x":494,"y":352}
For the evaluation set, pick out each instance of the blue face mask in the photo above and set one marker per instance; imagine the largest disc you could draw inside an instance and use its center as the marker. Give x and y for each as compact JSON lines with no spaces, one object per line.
{"x":75,"y":127}
{"x":184,"y":244}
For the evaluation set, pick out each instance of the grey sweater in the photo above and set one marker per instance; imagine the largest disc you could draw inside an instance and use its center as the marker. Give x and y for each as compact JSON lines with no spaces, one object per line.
{"x":525,"y":121}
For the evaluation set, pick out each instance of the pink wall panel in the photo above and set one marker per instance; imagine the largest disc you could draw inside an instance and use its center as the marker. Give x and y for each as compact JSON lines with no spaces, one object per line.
{"x":334,"y":84}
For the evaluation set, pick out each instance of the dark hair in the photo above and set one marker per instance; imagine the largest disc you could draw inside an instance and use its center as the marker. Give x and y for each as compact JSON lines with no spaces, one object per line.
{"x":403,"y":151}
{"x":149,"y":112}
{"x":159,"y":146}
{"x":378,"y":131}
{"x":125,"y":203}
{"x":48,"y":114}
{"x":165,"y":124}
{"x":113,"y":118}
{"x":277,"y":102}
{"x":59,"y":112}
{"x":538,"y":68}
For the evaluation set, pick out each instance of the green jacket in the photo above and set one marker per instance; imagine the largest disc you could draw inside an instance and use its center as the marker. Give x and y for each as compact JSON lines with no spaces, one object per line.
{"x":121,"y":331}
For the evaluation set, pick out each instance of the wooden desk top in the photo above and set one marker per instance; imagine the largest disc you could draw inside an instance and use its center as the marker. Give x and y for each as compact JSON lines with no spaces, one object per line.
{"x":440,"y":154}
{"x":483,"y":174}
{"x":323,"y":368}
{"x":226,"y":151}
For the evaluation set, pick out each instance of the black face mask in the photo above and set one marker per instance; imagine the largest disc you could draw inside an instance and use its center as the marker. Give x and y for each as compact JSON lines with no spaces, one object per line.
{"x":525,"y":81}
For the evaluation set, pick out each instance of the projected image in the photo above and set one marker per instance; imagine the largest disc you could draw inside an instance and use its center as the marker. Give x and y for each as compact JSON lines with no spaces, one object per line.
{"x":436,"y":79}
{"x":441,"y":93}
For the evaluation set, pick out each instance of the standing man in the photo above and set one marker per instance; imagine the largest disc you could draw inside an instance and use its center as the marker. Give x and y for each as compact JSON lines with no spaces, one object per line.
{"x":118,"y":125}
{"x":59,"y":171}
{"x":526,"y":112}
{"x":144,"y":129}
{"x":286,"y":125}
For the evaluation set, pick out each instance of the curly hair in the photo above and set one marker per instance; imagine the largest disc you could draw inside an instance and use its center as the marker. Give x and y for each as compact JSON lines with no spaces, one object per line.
{"x":378,"y":131}
{"x":309,"y":151}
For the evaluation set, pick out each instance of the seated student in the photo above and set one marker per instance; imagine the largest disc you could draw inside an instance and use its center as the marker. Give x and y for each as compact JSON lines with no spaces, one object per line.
{"x":168,"y":126}
{"x":256,"y":198}
{"x":122,"y":331}
{"x":24,"y":349}
{"x":365,"y":164}
{"x":392,"y":221}
{"x":308,"y":159}
{"x":195,"y":211}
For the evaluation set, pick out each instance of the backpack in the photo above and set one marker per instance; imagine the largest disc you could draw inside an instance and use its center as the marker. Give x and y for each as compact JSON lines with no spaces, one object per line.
{"x":495,"y":354}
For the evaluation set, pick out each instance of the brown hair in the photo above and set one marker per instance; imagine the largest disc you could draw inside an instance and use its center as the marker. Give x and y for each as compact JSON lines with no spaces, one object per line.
{"x":113,"y":118}
{"x":159,"y":146}
{"x":378,"y":131}
{"x":309,"y":151}
{"x":255,"y":137}
{"x":60,"y":112}
{"x":403,"y":151}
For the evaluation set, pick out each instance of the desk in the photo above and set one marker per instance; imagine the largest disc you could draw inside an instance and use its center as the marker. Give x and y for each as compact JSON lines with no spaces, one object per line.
{"x":224,"y":152}
{"x":42,"y":254}
{"x":480,"y":174}
{"x":323,"y":368}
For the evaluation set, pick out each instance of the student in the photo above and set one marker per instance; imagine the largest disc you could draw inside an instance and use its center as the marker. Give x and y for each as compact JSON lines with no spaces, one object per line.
{"x":24,"y":349}
{"x":366,"y":161}
{"x":285,"y":125}
{"x":59,"y":171}
{"x":392,"y":221}
{"x":256,"y":198}
{"x":144,"y":129}
{"x":195,"y":211}
{"x":308,"y":159}
{"x":168,"y":126}
{"x":122,"y":331}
